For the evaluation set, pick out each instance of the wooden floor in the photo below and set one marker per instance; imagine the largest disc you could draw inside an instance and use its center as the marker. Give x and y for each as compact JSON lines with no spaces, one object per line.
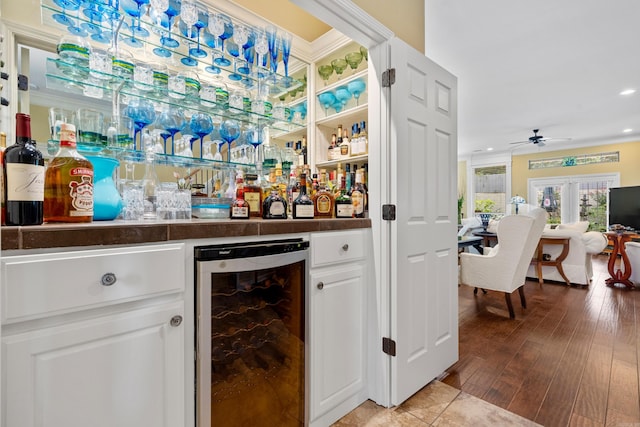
{"x":571,"y":358}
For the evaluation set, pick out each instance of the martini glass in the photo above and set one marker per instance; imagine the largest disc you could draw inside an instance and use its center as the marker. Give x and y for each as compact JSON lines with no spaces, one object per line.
{"x":222,"y":27}
{"x":173,"y":121}
{"x":229,"y":131}
{"x":353,"y":59}
{"x":325,"y":72}
{"x":327,"y":99}
{"x":356,"y":87}
{"x":339,"y":65}
{"x":201,"y":125}
{"x":343,"y":95}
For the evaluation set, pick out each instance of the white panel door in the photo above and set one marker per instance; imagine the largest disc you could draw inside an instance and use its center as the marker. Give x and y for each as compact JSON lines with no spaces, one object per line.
{"x":124,"y":370}
{"x":424,"y":295}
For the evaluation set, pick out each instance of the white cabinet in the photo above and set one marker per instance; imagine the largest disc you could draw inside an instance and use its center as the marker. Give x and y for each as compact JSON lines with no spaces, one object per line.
{"x":101,"y":344}
{"x":337,"y":325}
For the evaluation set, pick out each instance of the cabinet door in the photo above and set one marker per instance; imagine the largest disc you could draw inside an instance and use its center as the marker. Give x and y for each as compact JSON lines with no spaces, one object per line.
{"x":122,"y":370}
{"x":337,"y":336}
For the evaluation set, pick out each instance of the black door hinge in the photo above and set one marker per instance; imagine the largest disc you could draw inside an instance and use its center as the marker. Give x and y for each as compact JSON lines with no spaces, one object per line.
{"x":389,"y":212}
{"x":388,"y":346}
{"x":388,"y":77}
{"x":23,"y":82}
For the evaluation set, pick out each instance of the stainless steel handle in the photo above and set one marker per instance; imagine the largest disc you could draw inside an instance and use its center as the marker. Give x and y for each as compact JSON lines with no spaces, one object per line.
{"x":108,"y":279}
{"x":345,"y":247}
{"x":320,"y":285}
{"x":176,"y":320}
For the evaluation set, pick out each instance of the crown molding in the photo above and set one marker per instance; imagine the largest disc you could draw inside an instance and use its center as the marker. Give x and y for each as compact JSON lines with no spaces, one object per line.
{"x":328,"y":43}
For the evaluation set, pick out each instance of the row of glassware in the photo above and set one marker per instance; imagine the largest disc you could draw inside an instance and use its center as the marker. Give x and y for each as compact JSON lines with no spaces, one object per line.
{"x":142,"y":127}
{"x":339,"y":65}
{"x":339,"y":97}
{"x":182,"y":27}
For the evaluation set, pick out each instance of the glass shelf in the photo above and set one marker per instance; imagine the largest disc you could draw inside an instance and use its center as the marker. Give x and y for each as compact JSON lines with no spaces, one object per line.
{"x":278,"y":83}
{"x":66,"y":77}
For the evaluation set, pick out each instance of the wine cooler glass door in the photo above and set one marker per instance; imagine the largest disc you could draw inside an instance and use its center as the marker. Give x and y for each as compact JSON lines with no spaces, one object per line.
{"x":250,"y":333}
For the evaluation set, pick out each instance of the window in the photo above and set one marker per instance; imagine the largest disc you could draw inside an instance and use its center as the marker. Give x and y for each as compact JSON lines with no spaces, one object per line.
{"x":490,"y":188}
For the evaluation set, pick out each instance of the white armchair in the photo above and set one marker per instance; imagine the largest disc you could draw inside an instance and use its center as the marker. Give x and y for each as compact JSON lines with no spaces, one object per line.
{"x":633,"y":252}
{"x":504,"y":267}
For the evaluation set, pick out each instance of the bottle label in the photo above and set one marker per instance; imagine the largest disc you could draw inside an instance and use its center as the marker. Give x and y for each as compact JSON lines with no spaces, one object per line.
{"x":303,"y":211}
{"x":357,"y":200}
{"x":323,"y":204}
{"x":25,"y":182}
{"x":253,"y":199}
{"x":277,"y":208}
{"x":344,"y":150}
{"x":81,"y":192}
{"x":240,"y":212}
{"x":344,"y":211}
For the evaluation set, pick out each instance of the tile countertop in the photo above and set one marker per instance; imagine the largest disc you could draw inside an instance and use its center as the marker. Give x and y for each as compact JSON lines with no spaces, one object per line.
{"x":137,"y":232}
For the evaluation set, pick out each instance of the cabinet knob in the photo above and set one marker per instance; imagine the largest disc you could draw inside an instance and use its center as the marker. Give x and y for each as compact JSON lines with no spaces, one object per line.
{"x":345,"y":247}
{"x":320,"y":285}
{"x":108,"y":279}
{"x":176,"y":320}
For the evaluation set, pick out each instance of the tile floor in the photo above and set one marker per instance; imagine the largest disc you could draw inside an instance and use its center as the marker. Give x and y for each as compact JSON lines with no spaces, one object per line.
{"x":437,"y":404}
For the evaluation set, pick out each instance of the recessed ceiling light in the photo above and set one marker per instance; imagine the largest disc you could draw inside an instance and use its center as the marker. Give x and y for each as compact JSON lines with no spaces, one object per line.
{"x":490,"y":149}
{"x":628,"y":92}
{"x":627,"y":130}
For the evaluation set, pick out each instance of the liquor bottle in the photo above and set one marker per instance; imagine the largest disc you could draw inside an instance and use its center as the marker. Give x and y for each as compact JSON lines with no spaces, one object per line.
{"x":355,"y":140}
{"x":265,"y":186}
{"x":303,"y":153}
{"x":345,"y":146}
{"x":314,"y":186}
{"x":240,"y":208}
{"x":364,"y":140}
{"x":274,"y":206}
{"x":68,"y":182}
{"x":347,"y":175}
{"x":293,"y":188}
{"x":343,"y":206}
{"x":3,"y":146}
{"x":23,"y":177}
{"x":323,"y":200}
{"x":281,"y":181}
{"x":358,"y":197}
{"x":331,"y":154}
{"x":252,"y":195}
{"x":338,"y":143}
{"x":303,"y":207}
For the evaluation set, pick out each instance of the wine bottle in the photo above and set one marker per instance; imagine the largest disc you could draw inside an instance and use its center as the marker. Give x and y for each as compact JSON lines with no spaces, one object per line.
{"x":343,"y":206}
{"x":68,"y":182}
{"x":302,"y":205}
{"x":24,"y":177}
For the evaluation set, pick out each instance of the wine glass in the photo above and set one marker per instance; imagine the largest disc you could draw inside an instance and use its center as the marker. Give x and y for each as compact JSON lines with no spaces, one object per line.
{"x":201,"y":22}
{"x":272,"y":42}
{"x":254,"y":135}
{"x":222,"y":27}
{"x":339,"y":65}
{"x":262,"y":48}
{"x":286,"y":51}
{"x":201,"y":125}
{"x":364,"y":52}
{"x":343,"y":95}
{"x":234,"y":50}
{"x":142,"y":112}
{"x":160,"y":19}
{"x":247,"y":48}
{"x":353,"y":59}
{"x":95,"y":14}
{"x":356,"y":87}
{"x":188,"y":18}
{"x":133,"y":8}
{"x":229,"y":131}
{"x":327,"y":99}
{"x":62,"y":18}
{"x":325,"y":72}
{"x":171,"y":12}
{"x":172,"y":120}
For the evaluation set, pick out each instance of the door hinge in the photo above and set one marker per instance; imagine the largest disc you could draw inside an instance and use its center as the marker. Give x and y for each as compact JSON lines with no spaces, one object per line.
{"x":388,"y":346}
{"x":388,"y":77}
{"x":389,"y":212}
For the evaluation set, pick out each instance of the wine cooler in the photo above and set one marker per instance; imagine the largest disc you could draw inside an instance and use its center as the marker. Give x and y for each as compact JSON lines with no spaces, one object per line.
{"x":250,"y":333}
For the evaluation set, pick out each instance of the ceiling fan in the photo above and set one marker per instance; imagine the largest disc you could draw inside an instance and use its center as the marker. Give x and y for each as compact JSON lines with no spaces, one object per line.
{"x":539,"y":140}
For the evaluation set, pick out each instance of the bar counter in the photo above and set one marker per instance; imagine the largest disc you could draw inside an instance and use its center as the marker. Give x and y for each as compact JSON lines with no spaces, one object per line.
{"x":145,"y":231}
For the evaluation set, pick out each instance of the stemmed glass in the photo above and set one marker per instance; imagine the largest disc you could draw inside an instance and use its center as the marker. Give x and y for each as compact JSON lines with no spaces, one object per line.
{"x":222,"y":27}
{"x":364,"y":52}
{"x":172,"y":11}
{"x":229,"y":131}
{"x":157,"y":13}
{"x":343,"y":95}
{"x":339,"y":65}
{"x":95,"y":14}
{"x":325,"y":72}
{"x":272,"y":41}
{"x":356,"y":87}
{"x":327,"y":99}
{"x":353,"y":59}
{"x":172,"y":120}
{"x":234,"y":50}
{"x":133,"y":8}
{"x":63,"y":19}
{"x":262,"y":48}
{"x":247,"y":47}
{"x":201,"y":125}
{"x":142,"y":112}
{"x":201,"y":22}
{"x":188,"y":17}
{"x":286,"y":51}
{"x":254,"y":135}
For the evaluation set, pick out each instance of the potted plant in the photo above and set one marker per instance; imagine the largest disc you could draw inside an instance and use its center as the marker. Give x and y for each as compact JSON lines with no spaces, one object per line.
{"x":460,"y":203}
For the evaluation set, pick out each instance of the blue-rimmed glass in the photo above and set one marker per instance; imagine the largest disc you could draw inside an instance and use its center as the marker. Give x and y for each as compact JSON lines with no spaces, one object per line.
{"x":357,"y":87}
{"x":201,"y":125}
{"x":133,"y":8}
{"x":172,"y":120}
{"x":229,"y":131}
{"x":327,"y":99}
{"x":220,"y":25}
{"x":142,"y":112}
{"x":201,"y":22}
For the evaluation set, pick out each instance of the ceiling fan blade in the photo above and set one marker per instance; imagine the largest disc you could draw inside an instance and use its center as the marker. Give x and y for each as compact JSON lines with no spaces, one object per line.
{"x":519,"y":142}
{"x":555,"y":139}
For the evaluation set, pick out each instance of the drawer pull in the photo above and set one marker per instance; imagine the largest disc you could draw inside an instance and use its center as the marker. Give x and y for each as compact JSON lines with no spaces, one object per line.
{"x":176,"y":320}
{"x":345,"y":247}
{"x":320,"y":285}
{"x":108,"y":279}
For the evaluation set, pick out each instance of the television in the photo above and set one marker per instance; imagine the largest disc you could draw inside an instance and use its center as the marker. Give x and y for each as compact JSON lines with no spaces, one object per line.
{"x":624,"y":206}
